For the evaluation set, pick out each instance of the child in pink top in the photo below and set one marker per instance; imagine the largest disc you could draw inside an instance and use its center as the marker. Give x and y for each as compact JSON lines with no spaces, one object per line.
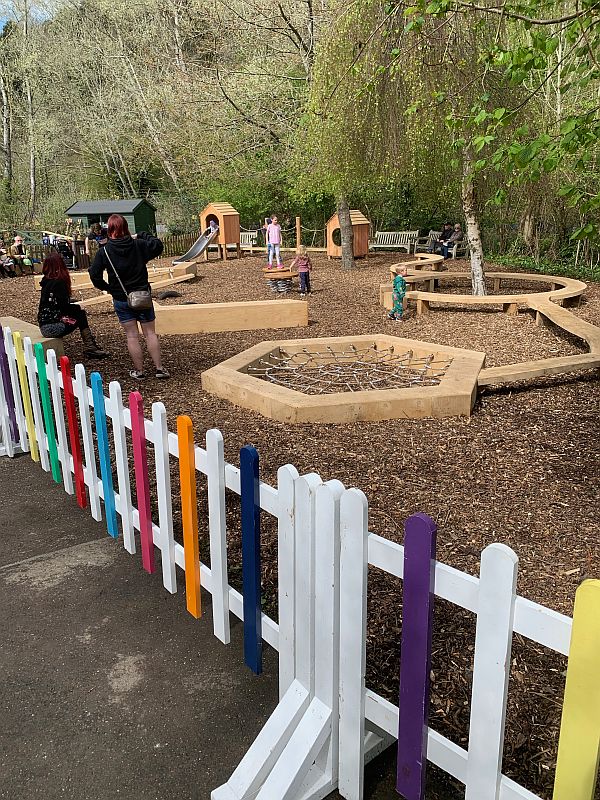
{"x":303,"y":265}
{"x":274,"y":240}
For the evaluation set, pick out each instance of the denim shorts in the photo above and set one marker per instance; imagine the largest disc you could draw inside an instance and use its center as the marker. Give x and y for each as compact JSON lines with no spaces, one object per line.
{"x":126,"y":314}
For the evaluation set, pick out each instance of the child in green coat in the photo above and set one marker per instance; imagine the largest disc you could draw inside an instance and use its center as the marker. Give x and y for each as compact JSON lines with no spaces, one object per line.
{"x":399,"y":290}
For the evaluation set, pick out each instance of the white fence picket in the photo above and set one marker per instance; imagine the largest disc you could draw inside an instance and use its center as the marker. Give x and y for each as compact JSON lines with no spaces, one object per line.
{"x":38,"y":419}
{"x":286,"y":571}
{"x":354,"y":532}
{"x":305,"y":579}
{"x":59,"y":420}
{"x":80,"y":389}
{"x":163,"y":491}
{"x":124,"y":506}
{"x":217,"y":530}
{"x":9,"y":346}
{"x":327,"y":603}
{"x":491,"y":670}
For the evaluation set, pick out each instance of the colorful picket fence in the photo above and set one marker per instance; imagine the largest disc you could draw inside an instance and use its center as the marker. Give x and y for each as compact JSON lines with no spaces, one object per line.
{"x":327,"y":725}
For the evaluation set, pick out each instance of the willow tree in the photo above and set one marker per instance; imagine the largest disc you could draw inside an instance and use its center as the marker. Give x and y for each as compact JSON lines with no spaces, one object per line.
{"x":392,"y":95}
{"x":356,"y":136}
{"x":542,"y":131}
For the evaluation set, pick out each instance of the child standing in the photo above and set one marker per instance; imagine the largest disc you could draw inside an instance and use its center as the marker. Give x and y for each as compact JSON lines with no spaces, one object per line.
{"x":274,"y":242}
{"x":398,"y":293}
{"x":303,"y":265}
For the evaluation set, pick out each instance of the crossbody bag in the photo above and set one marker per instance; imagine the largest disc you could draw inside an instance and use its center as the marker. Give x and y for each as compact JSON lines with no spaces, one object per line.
{"x":138,"y":300}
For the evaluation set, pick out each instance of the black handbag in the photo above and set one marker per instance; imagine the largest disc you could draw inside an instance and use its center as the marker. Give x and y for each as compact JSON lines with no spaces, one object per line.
{"x":139,"y":299}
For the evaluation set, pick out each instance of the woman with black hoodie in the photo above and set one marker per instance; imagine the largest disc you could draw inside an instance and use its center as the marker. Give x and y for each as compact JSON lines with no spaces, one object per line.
{"x":57,"y":315}
{"x":128,"y":258}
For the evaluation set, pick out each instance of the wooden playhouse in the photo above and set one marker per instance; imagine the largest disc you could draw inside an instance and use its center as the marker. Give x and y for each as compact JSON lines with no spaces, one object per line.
{"x":228,"y":220}
{"x":360,"y":226}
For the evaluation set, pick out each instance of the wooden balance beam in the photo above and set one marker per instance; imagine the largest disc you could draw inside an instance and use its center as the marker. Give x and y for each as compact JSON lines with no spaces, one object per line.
{"x":162,"y":284}
{"x":34,"y":333}
{"x":279,"y":274}
{"x":81,"y":280}
{"x":217,"y":317}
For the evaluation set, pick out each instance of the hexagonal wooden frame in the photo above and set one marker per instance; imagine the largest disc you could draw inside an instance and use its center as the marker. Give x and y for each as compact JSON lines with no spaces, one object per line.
{"x":454,"y":396}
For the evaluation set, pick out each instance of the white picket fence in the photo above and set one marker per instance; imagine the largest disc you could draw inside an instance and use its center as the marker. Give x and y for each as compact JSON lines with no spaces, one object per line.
{"x":327,"y":723}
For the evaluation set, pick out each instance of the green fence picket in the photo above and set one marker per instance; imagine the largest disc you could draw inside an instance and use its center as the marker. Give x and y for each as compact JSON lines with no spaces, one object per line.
{"x":40,"y":358}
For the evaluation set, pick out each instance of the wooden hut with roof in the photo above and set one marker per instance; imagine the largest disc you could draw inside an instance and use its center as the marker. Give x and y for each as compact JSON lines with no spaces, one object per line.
{"x":228,"y":220}
{"x":360,"y":227}
{"x":139,"y":213}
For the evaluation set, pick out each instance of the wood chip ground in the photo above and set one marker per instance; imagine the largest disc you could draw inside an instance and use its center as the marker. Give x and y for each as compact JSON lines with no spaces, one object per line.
{"x":523,"y":470}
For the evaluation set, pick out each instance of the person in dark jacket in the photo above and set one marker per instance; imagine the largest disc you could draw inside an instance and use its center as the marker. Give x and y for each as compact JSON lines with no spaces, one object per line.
{"x":128,"y":257}
{"x":57,"y":315}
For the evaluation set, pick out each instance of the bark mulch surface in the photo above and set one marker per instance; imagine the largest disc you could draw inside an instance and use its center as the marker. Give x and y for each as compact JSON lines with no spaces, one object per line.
{"x":523,"y":470}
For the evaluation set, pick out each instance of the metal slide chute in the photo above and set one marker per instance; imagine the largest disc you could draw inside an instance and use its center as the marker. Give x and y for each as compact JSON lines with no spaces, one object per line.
{"x":199,"y":246}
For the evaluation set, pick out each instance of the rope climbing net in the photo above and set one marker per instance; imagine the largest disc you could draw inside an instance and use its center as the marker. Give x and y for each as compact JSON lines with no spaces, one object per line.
{"x":352,"y":370}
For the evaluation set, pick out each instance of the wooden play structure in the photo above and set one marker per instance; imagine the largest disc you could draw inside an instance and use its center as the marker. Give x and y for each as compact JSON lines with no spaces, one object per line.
{"x":28,"y":329}
{"x":228,"y":220}
{"x":360,"y":227}
{"x":241,"y":380}
{"x":244,"y":316}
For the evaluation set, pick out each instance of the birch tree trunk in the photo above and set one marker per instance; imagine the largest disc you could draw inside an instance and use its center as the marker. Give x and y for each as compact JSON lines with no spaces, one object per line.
{"x":472,"y":220}
{"x":346,"y":233}
{"x":6,"y":140}
{"x":32,"y":161}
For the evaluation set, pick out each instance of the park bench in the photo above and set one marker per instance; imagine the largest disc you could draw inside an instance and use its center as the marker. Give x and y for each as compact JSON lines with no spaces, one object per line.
{"x":248,"y":240}
{"x":423,"y":243}
{"x":460,"y":250}
{"x":394,"y":240}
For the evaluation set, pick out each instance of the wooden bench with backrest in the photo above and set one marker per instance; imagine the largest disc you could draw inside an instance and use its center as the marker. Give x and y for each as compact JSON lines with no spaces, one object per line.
{"x":461,"y":249}
{"x":424,"y":243}
{"x":248,"y":240}
{"x":394,"y":240}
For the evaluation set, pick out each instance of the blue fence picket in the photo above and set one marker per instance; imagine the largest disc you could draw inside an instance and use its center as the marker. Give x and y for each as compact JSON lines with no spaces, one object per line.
{"x":104,"y":453}
{"x":250,"y":501}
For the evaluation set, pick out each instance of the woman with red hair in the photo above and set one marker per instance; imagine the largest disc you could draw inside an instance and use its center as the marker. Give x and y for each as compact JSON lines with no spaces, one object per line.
{"x":57,"y":315}
{"x":124,"y":260}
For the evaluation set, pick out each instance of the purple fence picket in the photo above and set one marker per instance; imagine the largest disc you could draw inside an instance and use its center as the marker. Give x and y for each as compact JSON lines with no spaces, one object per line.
{"x":8,"y":390}
{"x":415,"y":663}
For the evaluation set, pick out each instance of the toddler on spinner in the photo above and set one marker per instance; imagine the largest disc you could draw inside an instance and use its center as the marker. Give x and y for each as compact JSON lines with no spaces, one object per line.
{"x":304,"y":267}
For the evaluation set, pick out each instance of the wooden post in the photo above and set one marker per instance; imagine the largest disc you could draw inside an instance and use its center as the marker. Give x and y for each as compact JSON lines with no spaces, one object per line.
{"x":298,"y":234}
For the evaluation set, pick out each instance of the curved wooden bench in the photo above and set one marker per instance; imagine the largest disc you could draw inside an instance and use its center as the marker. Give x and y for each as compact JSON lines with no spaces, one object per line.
{"x":526,"y":370}
{"x":421,"y":260}
{"x":547,"y":305}
{"x":562,"y":289}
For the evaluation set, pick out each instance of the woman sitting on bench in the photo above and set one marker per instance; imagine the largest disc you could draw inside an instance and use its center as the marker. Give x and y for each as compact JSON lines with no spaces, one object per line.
{"x":57,"y":315}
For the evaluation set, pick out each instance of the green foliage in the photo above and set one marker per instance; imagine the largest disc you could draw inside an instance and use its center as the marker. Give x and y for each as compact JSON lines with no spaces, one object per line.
{"x":544,"y":266}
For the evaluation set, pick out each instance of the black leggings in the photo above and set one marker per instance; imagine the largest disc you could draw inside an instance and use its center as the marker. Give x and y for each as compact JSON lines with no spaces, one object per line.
{"x":59,"y":329}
